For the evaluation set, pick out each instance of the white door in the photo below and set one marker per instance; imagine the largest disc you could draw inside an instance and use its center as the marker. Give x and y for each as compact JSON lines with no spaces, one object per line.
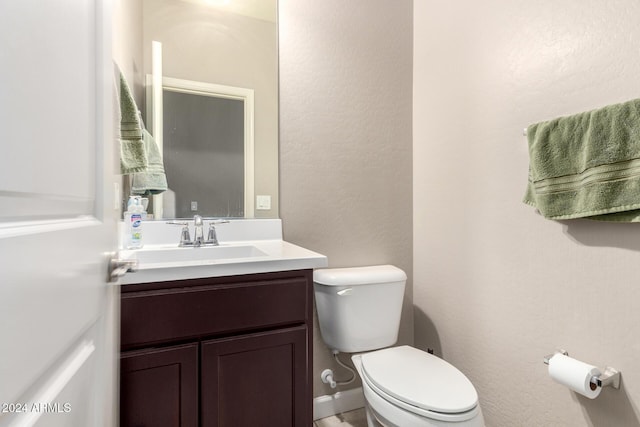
{"x":57,"y":214}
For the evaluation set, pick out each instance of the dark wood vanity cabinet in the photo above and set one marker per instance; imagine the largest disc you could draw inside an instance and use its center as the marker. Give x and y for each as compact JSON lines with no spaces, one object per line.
{"x":219,"y":352}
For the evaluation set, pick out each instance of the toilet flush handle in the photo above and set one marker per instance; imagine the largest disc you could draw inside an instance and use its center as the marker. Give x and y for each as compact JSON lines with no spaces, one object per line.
{"x":345,"y":292}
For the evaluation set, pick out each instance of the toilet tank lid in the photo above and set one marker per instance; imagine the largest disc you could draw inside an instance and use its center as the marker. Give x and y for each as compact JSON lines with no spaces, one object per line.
{"x":358,"y":275}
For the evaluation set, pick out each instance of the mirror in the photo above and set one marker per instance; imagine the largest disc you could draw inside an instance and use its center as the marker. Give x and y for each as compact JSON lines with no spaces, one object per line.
{"x":219,"y":43}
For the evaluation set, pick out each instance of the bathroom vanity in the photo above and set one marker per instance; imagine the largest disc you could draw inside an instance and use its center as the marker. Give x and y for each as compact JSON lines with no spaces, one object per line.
{"x":223,"y":341}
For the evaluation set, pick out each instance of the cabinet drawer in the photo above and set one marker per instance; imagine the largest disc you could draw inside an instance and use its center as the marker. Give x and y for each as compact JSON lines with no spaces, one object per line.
{"x":156,"y":316}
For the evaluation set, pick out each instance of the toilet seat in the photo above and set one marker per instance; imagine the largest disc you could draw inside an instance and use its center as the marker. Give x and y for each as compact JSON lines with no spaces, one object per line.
{"x":420,"y":383}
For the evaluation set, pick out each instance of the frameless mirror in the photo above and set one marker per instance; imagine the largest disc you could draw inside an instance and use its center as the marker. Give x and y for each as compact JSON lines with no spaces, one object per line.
{"x":220,"y":160}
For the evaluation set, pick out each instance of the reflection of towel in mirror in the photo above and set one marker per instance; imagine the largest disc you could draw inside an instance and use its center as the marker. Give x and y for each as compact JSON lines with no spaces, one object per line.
{"x":587,"y":165}
{"x":153,"y":180}
{"x":133,"y":157}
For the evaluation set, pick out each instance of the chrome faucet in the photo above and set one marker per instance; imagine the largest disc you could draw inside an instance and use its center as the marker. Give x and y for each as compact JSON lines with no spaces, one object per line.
{"x":198,"y":232}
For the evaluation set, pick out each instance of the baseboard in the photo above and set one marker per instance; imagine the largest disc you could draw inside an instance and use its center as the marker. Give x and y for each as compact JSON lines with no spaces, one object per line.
{"x":342,"y":401}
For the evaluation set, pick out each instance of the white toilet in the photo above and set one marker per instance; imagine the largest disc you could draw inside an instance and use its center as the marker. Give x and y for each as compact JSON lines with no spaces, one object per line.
{"x":359,"y":311}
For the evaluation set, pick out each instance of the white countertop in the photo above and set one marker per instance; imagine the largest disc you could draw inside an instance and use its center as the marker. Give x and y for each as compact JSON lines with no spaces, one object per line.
{"x":258,"y":248}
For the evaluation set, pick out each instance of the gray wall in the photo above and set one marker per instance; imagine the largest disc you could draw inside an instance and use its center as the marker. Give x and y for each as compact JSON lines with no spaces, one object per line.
{"x":345,"y":137}
{"x":496,"y":286}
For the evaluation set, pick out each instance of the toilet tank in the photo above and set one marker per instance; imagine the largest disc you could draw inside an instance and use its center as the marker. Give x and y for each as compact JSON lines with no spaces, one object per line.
{"x":359,"y":308}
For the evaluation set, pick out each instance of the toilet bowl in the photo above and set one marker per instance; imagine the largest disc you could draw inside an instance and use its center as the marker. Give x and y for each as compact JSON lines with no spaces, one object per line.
{"x":407,"y":387}
{"x":359,"y":312}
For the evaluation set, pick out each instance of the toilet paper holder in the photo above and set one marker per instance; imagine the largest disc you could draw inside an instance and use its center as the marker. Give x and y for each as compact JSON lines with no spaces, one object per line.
{"x":609,"y":378}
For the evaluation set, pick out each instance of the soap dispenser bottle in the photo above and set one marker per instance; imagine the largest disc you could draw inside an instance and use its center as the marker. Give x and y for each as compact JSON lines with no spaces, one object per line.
{"x":133,"y":223}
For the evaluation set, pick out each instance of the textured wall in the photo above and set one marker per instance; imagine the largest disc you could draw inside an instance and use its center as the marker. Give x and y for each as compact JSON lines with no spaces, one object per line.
{"x":345,"y":137}
{"x":127,"y":44}
{"x":496,"y":287}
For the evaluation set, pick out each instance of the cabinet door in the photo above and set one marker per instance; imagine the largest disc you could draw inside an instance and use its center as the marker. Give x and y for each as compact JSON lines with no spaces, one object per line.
{"x":159,"y":387}
{"x":257,"y":380}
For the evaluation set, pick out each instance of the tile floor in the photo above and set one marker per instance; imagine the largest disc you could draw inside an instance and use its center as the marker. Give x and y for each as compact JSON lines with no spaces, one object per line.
{"x":356,"y":418}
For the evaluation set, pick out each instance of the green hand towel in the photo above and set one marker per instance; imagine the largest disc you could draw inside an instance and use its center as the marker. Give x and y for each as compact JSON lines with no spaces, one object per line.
{"x":153,"y":180}
{"x":133,"y":157}
{"x":587,"y":165}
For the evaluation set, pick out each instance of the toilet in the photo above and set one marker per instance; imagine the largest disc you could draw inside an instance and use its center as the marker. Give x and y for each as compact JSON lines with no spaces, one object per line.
{"x":359,"y":312}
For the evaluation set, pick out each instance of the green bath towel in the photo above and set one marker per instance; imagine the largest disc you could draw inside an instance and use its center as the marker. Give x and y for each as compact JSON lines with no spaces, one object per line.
{"x":153,"y":180}
{"x":133,"y":157}
{"x":587,"y":165}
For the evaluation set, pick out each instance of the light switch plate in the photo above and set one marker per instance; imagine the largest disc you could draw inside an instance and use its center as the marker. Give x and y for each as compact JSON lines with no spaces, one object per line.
{"x":263,"y":203}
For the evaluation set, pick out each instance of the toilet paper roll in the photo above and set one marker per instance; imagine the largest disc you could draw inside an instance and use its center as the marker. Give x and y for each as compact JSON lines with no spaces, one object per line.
{"x":574,"y":374}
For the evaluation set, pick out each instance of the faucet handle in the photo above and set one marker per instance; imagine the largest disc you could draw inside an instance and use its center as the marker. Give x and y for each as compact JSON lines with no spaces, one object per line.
{"x":212,"y":237}
{"x":173,"y":222}
{"x":216,"y":221}
{"x":185,"y":237}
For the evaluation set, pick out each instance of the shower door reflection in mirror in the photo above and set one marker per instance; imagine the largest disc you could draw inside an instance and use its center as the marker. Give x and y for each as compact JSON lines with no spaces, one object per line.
{"x":207,"y":141}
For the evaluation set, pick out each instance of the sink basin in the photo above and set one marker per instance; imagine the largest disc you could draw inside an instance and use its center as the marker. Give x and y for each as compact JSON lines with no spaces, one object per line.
{"x":191,"y":254}
{"x":248,"y":246}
